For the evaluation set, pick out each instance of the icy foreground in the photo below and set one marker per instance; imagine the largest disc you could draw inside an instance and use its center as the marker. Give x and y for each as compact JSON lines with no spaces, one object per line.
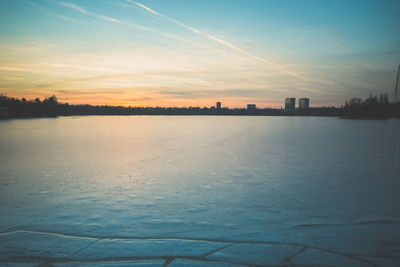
{"x":198,"y":191}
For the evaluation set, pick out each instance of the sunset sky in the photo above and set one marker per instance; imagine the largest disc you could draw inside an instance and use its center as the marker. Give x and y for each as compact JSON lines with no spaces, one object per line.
{"x":193,"y":53}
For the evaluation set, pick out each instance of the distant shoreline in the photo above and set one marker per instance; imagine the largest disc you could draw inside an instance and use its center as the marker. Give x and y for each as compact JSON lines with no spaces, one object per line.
{"x":183,"y":115}
{"x":201,"y":115}
{"x":372,"y":108}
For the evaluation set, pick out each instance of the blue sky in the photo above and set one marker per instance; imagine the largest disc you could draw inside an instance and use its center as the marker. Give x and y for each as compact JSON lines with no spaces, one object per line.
{"x":192,"y":53}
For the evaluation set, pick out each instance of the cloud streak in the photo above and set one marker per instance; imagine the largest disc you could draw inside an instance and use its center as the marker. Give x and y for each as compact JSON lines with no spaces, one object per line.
{"x":121,"y":22}
{"x":213,"y":38}
{"x":219,"y":40}
{"x":51,"y":13}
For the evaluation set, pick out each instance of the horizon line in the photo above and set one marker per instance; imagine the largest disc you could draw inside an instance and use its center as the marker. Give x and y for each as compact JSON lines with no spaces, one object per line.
{"x":258,"y":106}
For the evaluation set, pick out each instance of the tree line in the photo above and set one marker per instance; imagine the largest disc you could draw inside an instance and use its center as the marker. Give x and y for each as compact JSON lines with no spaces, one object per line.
{"x":373,"y":107}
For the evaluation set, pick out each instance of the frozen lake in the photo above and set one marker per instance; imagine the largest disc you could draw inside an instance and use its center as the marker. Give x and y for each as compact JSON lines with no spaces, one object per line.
{"x":198,"y":190}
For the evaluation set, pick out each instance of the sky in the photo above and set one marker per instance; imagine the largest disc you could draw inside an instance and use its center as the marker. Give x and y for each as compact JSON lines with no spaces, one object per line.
{"x":194,"y":53}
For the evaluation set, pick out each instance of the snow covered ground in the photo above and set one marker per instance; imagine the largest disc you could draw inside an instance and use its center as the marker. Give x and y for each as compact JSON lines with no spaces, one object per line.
{"x":198,"y":191}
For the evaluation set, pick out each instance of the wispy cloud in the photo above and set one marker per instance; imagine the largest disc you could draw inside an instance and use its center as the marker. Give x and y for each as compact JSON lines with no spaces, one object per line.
{"x":25,"y":70}
{"x":51,"y":13}
{"x":121,"y":22}
{"x":219,"y":40}
{"x":348,"y":50}
{"x":74,"y":6}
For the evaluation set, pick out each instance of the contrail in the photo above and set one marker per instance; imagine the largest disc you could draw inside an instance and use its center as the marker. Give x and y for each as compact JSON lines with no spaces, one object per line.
{"x":225,"y":43}
{"x":218,"y":40}
{"x":348,"y":50}
{"x":51,"y":13}
{"x":113,"y":20}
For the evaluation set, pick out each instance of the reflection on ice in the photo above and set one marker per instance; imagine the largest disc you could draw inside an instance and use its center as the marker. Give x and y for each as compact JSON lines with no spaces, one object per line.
{"x":294,"y":182}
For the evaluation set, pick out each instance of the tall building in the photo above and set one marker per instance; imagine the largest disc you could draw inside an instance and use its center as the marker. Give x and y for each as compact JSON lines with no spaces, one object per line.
{"x":304,"y":103}
{"x":251,"y":107}
{"x":218,"y":105}
{"x":290,"y":104}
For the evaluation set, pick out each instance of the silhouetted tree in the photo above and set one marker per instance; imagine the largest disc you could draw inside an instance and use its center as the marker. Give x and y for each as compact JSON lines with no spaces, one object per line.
{"x":355,"y":107}
{"x":52,"y":100}
{"x":372,"y":107}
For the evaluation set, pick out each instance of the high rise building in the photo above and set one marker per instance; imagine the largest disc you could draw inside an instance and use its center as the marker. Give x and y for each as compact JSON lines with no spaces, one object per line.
{"x":304,"y":103}
{"x":251,"y":107}
{"x":290,"y":104}
{"x":218,"y":105}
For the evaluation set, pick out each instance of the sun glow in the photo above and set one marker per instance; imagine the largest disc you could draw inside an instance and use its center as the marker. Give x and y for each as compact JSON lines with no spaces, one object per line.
{"x":140,"y":54}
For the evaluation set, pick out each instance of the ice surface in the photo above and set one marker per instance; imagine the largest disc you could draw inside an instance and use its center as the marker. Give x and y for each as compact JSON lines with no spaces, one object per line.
{"x":315,"y":257}
{"x":27,"y":244}
{"x":148,"y":248}
{"x":74,"y":186}
{"x":193,"y":263}
{"x":146,"y":263}
{"x":256,"y":254}
{"x":382,"y":261}
{"x":374,"y":239}
{"x":20,"y":264}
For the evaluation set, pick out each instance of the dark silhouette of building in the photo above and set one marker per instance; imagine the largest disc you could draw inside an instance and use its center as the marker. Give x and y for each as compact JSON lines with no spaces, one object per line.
{"x":218,"y":105}
{"x":251,"y":107}
{"x":377,"y":107}
{"x":304,"y":103}
{"x":290,"y":104}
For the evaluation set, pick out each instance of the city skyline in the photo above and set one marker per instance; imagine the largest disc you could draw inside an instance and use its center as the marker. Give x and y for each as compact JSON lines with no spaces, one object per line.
{"x":189,"y":53}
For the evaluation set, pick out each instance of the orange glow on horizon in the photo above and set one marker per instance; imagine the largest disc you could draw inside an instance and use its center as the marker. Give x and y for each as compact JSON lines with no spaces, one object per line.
{"x":154,"y":100}
{"x":112,"y":100}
